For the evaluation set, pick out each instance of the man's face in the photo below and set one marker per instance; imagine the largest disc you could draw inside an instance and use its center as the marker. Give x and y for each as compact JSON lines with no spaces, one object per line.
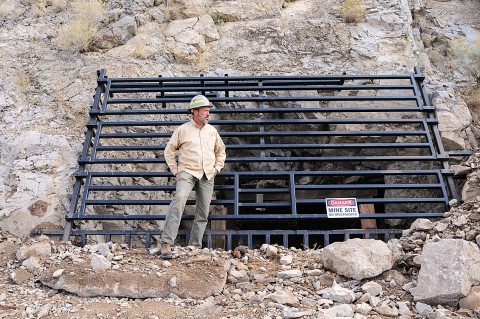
{"x":202,"y":114}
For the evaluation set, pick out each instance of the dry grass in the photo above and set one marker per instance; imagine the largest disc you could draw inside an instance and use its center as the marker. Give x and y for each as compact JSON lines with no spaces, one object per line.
{"x":77,"y":35}
{"x":91,"y":12}
{"x":141,"y":51}
{"x":466,"y":55}
{"x":473,"y":103}
{"x":23,"y":82}
{"x":352,"y":11}
{"x":168,"y":11}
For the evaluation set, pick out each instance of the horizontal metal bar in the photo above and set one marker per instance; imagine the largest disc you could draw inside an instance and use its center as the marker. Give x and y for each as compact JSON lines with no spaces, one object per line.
{"x":322,"y":98}
{"x":259,"y":86}
{"x":123,"y":188}
{"x":268,"y":122}
{"x":396,"y":200}
{"x":262,"y":216}
{"x":459,"y":153}
{"x":84,"y":161}
{"x":273,"y":146}
{"x":135,"y":202}
{"x":265,"y":79}
{"x":273,"y":174}
{"x":368,"y":186}
{"x":274,"y":133}
{"x":96,"y":112}
{"x":225,"y":232}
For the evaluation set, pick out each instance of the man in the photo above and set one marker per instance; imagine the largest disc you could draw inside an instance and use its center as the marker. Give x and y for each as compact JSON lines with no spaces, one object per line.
{"x":201,"y":156}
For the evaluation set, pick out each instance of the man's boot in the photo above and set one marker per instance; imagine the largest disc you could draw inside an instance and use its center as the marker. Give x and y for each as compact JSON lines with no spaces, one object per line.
{"x":166,"y":251}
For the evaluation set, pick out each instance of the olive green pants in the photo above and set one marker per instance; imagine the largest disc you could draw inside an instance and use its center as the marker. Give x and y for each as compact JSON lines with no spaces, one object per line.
{"x":203,"y":191}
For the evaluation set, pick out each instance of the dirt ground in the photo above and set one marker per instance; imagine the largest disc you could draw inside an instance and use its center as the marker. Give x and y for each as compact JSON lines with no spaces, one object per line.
{"x":198,"y":280}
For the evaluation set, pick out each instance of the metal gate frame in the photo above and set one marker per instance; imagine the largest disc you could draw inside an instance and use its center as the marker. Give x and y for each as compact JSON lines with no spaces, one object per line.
{"x":118,"y":98}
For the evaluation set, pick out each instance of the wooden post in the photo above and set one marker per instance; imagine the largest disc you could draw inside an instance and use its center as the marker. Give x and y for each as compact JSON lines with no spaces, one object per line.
{"x":367,"y":209}
{"x":218,"y":241}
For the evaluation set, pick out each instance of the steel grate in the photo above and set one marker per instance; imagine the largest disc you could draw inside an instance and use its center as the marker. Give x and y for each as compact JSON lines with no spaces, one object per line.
{"x":291,"y":142}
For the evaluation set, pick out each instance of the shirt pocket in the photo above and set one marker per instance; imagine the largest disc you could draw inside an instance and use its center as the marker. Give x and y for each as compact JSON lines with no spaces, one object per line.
{"x":209,"y":140}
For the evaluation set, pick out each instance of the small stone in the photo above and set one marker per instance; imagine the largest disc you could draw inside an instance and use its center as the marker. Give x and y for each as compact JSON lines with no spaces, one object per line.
{"x":386,"y":311}
{"x":99,"y":262}
{"x":173,"y":282}
{"x":286,"y":260}
{"x":58,"y":273}
{"x":372,"y":288}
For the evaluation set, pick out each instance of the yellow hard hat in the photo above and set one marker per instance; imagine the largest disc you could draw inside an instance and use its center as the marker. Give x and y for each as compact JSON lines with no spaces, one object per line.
{"x":199,"y":101}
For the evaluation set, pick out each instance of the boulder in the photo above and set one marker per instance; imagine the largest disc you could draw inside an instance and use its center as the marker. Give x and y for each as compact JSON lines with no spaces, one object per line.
{"x":449,"y":268}
{"x":358,"y":258}
{"x":39,"y":250}
{"x":118,"y":33}
{"x":472,"y":300}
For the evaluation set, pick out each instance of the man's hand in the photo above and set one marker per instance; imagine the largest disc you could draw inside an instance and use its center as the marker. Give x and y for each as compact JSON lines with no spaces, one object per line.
{"x":176,"y":177}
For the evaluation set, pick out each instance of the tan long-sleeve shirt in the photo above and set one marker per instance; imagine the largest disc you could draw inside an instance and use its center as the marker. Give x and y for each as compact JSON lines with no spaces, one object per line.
{"x":200,"y":150}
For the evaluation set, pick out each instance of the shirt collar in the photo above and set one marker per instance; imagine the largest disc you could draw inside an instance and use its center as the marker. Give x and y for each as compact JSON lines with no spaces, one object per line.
{"x":195,"y":124}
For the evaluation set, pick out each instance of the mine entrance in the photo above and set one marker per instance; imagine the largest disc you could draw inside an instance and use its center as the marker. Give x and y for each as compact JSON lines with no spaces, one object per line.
{"x":291,"y":141}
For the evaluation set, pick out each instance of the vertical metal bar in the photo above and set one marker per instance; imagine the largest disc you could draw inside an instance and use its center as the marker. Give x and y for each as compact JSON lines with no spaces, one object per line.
{"x":229,"y":242}
{"x":419,"y":77}
{"x":86,"y":189}
{"x":444,"y":190}
{"x":108,"y":237}
{"x":306,"y":243}
{"x":106,"y":96}
{"x":262,"y":127}
{"x":128,"y":238}
{"x":293,"y":197}
{"x":209,"y":240}
{"x":429,"y":137}
{"x":147,"y":240}
{"x":285,"y":240}
{"x":227,"y":92}
{"x":420,"y":90}
{"x":202,"y":83}
{"x":96,"y":141}
{"x":162,"y":94}
{"x":236,"y":184}
{"x":418,"y":98}
{"x":326,"y":239}
{"x":81,"y":168}
{"x":249,"y":240}
{"x":83,"y":239}
{"x":387,"y":236}
{"x":267,"y":239}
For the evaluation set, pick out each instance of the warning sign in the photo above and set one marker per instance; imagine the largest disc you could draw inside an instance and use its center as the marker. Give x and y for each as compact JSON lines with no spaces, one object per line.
{"x":341,"y":207}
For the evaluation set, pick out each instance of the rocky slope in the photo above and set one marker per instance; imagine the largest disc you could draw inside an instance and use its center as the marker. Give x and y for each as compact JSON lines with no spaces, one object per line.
{"x":45,"y":93}
{"x":46,"y":88}
{"x":46,"y":279}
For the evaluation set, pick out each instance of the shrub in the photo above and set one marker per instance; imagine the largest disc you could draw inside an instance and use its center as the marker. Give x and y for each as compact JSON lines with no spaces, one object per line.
{"x":140,"y":50}
{"x":466,"y":55}
{"x":219,"y":20}
{"x":78,"y":33}
{"x":352,"y":11}
{"x":473,"y":102}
